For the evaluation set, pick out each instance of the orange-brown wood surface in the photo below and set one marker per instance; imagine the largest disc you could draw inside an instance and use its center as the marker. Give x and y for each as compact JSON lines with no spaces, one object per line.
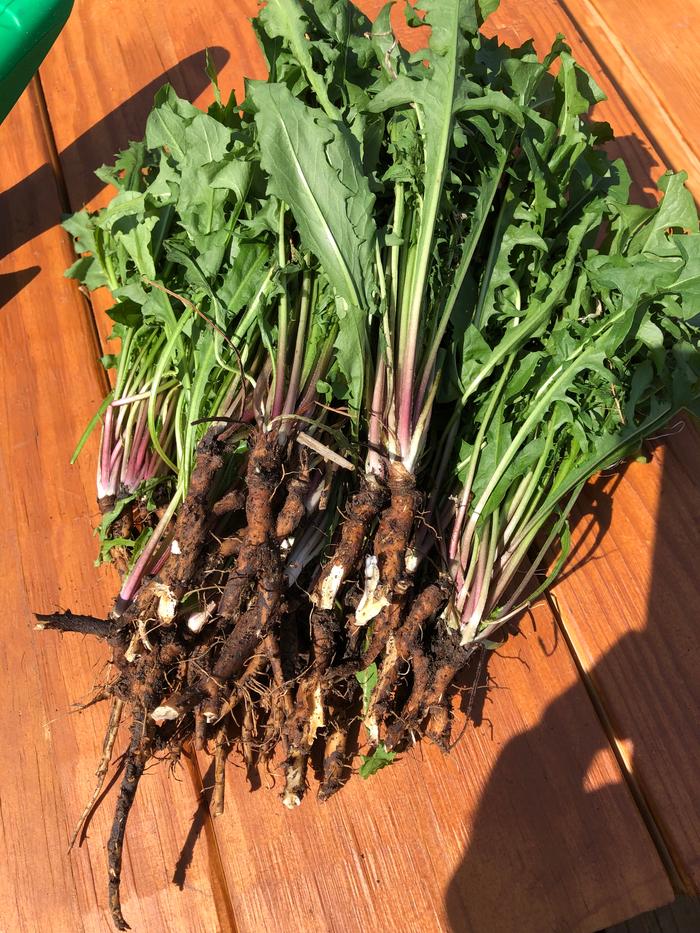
{"x":648,"y":50}
{"x":528,"y":825}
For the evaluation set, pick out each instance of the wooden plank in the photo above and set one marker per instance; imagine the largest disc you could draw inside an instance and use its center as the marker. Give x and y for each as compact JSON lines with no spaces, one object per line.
{"x":404,"y":850}
{"x":647,"y":49}
{"x":682,"y":916}
{"x":626,"y":611}
{"x":643,"y":660}
{"x":49,"y":386}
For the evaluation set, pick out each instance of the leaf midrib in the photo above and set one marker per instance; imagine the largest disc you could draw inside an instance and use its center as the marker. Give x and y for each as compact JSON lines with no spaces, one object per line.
{"x":330,"y":238}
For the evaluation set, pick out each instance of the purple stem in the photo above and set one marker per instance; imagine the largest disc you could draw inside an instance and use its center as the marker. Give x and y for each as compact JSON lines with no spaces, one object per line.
{"x":143,"y":564}
{"x":374,"y":458}
{"x":478,"y":581}
{"x":298,"y":361}
{"x":319,"y":370}
{"x":137,"y":453}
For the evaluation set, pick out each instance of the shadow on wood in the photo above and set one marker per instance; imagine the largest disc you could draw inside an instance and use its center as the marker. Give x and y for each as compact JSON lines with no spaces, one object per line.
{"x":91,"y":150}
{"x":12,"y":283}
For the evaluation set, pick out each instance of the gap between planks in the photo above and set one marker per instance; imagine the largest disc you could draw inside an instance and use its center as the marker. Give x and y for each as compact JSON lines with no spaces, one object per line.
{"x":586,"y":15}
{"x":663,"y":847}
{"x":219,"y":883}
{"x":64,"y":199}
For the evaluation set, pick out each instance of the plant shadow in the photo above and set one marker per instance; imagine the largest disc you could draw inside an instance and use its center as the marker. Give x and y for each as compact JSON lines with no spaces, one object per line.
{"x":502,"y":897}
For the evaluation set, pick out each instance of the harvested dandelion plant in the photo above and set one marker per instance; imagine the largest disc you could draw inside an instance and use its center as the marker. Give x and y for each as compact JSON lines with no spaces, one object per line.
{"x":380,"y":321}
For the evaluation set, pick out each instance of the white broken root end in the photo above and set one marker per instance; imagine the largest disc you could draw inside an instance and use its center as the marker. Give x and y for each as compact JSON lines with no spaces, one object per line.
{"x":165,"y":712}
{"x":372,"y":727}
{"x":167,"y":603}
{"x":411,"y":561}
{"x":132,"y":652}
{"x":330,"y":587}
{"x":371,"y":722}
{"x":294,"y":786}
{"x":199,"y":619}
{"x":143,"y":635}
{"x":316,"y":718}
{"x":371,"y":603}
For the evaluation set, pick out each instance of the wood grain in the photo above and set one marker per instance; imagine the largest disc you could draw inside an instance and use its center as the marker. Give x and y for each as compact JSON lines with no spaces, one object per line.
{"x":647,"y":50}
{"x":49,"y":386}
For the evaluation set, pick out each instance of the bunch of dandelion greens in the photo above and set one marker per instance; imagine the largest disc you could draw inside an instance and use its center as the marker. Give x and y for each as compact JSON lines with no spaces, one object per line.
{"x":380,"y":321}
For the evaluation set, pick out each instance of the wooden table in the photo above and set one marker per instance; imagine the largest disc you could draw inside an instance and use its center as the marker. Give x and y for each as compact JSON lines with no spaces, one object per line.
{"x":570,"y":804}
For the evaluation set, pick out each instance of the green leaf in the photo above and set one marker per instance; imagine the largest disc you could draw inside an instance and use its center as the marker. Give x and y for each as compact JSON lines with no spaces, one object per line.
{"x":314,"y":169}
{"x":128,"y":170}
{"x":212,"y":74}
{"x":676,"y":211}
{"x":206,"y":140}
{"x":81,"y":227}
{"x":367,"y":679}
{"x":168,"y":121}
{"x":127,"y":312}
{"x":136,"y":235}
{"x":245,"y":274}
{"x":379,"y":759}
{"x":284,"y":19}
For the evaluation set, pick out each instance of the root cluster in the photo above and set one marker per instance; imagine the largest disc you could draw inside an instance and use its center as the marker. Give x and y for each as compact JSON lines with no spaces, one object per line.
{"x":225,"y":649}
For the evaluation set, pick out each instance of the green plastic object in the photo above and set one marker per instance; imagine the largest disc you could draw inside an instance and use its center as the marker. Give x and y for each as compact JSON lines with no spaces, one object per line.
{"x":28,"y":29}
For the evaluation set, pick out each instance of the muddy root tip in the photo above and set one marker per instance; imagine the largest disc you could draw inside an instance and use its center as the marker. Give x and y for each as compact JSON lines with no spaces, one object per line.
{"x":440,"y":740}
{"x":326,"y":791}
{"x":295,"y":779}
{"x":72,"y":622}
{"x":115,"y":909}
